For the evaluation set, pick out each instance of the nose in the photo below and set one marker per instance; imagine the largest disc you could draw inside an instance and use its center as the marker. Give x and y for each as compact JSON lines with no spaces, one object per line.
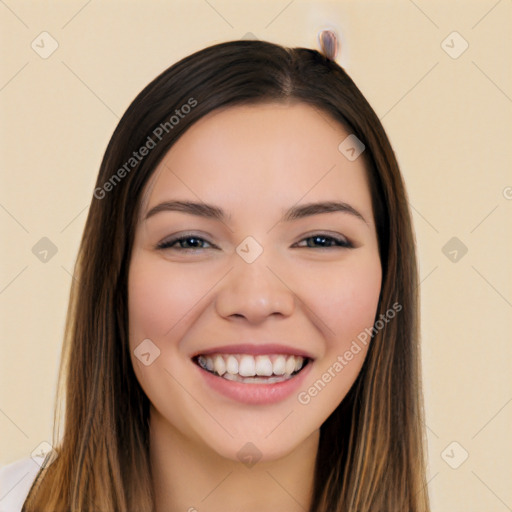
{"x":254,"y":291}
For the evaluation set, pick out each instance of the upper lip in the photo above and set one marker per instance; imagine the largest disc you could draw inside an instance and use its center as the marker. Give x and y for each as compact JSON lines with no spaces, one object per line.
{"x":254,"y":349}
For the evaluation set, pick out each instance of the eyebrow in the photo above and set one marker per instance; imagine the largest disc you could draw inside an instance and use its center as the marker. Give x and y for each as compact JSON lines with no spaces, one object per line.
{"x":295,"y":212}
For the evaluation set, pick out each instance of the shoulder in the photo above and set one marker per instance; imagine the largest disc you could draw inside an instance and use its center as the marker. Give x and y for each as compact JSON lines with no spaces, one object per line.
{"x":15,"y":482}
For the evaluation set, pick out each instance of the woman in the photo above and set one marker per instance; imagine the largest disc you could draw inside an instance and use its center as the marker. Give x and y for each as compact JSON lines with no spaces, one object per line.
{"x":243,"y":330}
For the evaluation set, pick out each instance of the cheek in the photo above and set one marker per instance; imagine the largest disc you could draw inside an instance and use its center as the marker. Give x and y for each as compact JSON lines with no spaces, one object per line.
{"x":347,"y":300}
{"x":161,"y":298}
{"x":346,"y":304}
{"x":162,"y":304}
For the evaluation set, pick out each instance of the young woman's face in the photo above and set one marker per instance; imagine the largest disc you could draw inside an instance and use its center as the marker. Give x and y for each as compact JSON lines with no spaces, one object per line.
{"x":263,"y":282}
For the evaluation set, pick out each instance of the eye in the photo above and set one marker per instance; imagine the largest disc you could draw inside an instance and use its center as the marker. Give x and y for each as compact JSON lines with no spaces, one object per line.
{"x":193,"y":242}
{"x":321,"y":241}
{"x":186,"y":242}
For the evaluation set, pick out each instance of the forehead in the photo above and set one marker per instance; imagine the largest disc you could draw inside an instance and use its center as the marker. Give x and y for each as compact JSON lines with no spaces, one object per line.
{"x":260,"y":154}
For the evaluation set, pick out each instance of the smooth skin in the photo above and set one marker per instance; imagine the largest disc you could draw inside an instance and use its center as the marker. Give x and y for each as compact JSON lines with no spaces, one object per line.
{"x":305,"y":290}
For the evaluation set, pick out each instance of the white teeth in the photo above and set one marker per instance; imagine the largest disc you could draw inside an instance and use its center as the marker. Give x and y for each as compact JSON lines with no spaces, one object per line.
{"x":232,"y":365}
{"x":290,"y":365}
{"x":255,"y":380}
{"x":264,"y":366}
{"x":219,"y":365}
{"x":279,"y":365}
{"x":247,"y":366}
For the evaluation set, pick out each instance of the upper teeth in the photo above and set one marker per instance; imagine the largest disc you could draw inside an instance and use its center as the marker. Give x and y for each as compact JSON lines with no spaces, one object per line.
{"x":246,"y":365}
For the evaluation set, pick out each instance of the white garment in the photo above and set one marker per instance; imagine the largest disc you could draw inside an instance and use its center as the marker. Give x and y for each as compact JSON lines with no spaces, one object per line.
{"x":15,"y":482}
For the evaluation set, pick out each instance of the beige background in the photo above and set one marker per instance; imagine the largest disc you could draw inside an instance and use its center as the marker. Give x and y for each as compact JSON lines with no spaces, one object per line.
{"x":449,"y":120}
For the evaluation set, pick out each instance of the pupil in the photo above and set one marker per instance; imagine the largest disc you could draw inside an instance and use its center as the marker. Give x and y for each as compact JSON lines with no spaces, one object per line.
{"x":318,"y":240}
{"x":194,"y":243}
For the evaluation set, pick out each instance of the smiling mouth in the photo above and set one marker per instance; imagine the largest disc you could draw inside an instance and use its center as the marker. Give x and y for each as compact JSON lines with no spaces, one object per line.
{"x":249,"y":369}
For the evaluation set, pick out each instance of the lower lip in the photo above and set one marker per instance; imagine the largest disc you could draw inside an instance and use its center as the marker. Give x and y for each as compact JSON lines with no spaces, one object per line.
{"x":255,"y":394}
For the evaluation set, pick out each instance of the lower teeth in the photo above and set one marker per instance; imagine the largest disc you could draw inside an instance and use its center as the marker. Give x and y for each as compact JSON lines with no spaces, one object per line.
{"x":254,"y":380}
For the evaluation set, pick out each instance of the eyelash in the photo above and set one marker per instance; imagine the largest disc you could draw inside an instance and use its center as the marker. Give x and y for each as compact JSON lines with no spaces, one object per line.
{"x":340,"y":242}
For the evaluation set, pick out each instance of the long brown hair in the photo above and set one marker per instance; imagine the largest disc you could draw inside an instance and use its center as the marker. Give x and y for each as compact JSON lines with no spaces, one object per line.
{"x":371,"y":453}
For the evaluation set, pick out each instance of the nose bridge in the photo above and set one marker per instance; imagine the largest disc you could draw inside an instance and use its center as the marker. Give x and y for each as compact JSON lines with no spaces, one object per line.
{"x":252,"y":289}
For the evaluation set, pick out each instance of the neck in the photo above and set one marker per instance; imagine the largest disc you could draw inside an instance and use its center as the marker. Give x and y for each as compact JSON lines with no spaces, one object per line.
{"x":190,"y":477}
